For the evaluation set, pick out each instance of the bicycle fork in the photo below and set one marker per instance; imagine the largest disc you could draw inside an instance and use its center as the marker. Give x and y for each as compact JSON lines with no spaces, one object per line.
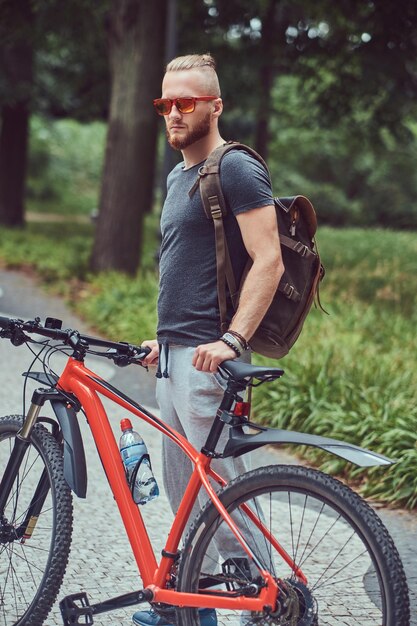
{"x":21,"y":444}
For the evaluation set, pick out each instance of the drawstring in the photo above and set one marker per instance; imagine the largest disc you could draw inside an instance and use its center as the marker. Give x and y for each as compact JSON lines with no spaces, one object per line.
{"x":166,"y":350}
{"x":159,"y":373}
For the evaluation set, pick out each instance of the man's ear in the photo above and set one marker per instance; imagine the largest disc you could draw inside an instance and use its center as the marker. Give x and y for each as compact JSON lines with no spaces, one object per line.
{"x":218,"y":107}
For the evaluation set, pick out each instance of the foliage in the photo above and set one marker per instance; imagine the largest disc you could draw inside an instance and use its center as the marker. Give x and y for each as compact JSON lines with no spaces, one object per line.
{"x":350,"y":180}
{"x":351,"y":375}
{"x":123,"y":308}
{"x":326,"y":77}
{"x":349,"y":55}
{"x":36,"y":247}
{"x":65,"y":162}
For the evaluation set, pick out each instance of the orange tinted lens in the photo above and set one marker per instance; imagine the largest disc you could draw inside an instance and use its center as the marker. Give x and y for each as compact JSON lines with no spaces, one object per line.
{"x":163,"y":106}
{"x":185,"y":105}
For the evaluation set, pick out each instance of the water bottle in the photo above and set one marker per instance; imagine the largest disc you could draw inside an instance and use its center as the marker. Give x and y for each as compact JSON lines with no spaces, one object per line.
{"x":137,"y":464}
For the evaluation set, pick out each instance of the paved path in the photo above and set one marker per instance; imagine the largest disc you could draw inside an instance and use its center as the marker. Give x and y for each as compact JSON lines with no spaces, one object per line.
{"x":100,"y":561}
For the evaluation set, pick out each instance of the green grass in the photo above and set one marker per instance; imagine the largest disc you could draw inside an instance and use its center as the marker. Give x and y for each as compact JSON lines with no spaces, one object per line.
{"x":352,"y":373}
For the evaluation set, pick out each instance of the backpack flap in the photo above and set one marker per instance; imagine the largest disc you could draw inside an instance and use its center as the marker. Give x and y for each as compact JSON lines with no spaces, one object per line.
{"x":300,"y":209}
{"x":282,"y":324}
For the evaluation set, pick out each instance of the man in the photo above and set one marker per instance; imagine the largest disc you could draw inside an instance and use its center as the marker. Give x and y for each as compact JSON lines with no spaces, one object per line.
{"x":190,"y":344}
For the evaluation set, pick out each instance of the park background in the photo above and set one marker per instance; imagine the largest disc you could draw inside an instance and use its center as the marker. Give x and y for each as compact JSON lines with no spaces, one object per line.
{"x":325,"y":91}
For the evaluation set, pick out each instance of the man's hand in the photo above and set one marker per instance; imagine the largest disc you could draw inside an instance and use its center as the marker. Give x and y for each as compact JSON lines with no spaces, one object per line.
{"x":153,"y":356}
{"x":209,"y":355}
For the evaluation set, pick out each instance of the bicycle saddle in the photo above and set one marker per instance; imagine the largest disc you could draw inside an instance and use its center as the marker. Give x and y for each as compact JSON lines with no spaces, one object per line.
{"x":239,"y":371}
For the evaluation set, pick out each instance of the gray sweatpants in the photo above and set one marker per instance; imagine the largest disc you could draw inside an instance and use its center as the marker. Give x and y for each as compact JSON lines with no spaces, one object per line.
{"x":188,"y":401}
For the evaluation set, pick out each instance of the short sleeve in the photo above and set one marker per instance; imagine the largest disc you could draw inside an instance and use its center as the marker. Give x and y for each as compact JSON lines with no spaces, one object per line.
{"x":245,"y":182}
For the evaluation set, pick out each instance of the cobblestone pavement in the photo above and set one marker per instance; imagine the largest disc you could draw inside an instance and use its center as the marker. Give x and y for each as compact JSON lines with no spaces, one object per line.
{"x":100,"y":561}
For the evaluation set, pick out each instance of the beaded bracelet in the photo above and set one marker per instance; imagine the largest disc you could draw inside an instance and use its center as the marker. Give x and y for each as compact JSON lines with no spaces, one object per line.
{"x":231,"y":345}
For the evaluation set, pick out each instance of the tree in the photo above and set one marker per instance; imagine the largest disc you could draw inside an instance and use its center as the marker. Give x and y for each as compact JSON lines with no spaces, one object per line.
{"x":136,"y":49}
{"x":51,"y":61}
{"x":16,"y":68}
{"x":350,"y":54}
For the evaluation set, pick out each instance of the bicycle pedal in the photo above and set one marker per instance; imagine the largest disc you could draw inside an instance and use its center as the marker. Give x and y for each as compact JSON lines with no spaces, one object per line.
{"x":76,"y":609}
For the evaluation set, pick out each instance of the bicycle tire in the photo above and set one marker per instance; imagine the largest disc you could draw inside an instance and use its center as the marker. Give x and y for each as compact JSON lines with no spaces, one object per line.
{"x":354,"y":572}
{"x":31,"y":572}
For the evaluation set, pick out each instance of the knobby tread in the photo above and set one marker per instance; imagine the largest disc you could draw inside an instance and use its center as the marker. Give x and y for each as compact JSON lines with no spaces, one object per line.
{"x":371,"y":527}
{"x":57,"y":564}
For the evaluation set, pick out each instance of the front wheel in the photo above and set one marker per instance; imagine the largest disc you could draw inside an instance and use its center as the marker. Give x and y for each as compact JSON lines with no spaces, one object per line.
{"x":353,"y":571}
{"x":35,"y":528}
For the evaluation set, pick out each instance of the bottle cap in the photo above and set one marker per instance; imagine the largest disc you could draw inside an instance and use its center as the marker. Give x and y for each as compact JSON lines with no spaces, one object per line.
{"x":125,"y":424}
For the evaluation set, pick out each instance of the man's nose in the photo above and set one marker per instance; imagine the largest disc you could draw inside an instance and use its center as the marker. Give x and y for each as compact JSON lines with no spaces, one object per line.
{"x":174,"y":113}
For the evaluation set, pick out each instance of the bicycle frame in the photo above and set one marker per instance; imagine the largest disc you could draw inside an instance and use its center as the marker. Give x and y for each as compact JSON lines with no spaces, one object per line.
{"x":86,"y":385}
{"x":79,"y":387}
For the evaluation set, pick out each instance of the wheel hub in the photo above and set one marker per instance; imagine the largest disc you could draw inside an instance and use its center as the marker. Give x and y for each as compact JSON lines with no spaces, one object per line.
{"x":7,"y":531}
{"x":296,"y":607}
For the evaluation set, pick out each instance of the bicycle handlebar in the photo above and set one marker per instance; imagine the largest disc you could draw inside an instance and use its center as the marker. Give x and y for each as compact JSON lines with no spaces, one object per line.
{"x":120,"y":352}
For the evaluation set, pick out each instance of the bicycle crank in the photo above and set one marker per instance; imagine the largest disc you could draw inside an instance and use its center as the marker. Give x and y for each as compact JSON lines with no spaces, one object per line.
{"x":76,"y":608}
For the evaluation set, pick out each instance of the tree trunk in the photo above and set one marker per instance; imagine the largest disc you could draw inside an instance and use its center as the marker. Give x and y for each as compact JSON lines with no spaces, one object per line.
{"x":136,"y":63}
{"x":13,"y":160}
{"x":16,"y":66}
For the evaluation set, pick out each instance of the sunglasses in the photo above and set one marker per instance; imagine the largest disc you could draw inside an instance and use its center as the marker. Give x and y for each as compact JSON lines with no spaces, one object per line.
{"x":184,"y":105}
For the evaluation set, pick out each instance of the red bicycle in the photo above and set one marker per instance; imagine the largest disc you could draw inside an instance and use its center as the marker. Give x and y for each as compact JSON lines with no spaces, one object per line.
{"x":281,"y":545}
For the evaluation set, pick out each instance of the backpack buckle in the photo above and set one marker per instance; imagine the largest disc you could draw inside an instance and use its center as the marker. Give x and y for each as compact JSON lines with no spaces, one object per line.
{"x":290,"y":292}
{"x":301,"y":249}
{"x":215,"y":209}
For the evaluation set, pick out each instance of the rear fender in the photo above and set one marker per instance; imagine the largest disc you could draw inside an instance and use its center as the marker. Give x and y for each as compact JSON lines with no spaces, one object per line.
{"x":240,"y":442}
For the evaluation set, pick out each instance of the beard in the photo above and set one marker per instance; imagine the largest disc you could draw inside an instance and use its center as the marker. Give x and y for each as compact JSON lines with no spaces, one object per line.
{"x":199,"y":131}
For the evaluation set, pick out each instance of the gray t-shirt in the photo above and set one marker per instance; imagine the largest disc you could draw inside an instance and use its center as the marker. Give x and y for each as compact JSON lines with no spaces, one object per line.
{"x":188,"y":312}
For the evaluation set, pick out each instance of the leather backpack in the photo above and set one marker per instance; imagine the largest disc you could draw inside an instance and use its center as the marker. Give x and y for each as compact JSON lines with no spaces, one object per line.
{"x":297,"y":224}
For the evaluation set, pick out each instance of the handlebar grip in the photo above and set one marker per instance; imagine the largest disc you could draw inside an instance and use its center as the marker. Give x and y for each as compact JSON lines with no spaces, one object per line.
{"x":144,"y":351}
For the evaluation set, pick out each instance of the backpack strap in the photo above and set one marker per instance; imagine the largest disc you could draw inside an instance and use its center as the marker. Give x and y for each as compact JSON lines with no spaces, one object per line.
{"x":215,"y":209}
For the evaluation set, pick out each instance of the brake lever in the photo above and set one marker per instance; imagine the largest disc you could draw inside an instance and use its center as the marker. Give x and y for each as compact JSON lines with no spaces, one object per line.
{"x":18,"y":337}
{"x":122,"y":360}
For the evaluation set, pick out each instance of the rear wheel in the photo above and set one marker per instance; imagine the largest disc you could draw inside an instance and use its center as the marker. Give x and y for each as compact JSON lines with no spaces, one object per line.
{"x":353,"y":570}
{"x":33,"y":553}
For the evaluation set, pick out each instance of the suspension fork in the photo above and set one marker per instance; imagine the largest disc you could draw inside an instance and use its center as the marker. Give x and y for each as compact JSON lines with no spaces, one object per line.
{"x":21,"y":444}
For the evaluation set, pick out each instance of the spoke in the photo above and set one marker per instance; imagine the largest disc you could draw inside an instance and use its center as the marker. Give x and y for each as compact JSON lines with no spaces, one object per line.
{"x":314,"y":549}
{"x":307,"y":542}
{"x":325,"y":583}
{"x":20,"y":481}
{"x":34,"y":548}
{"x":26,"y":560}
{"x":29,"y":564}
{"x":14,"y":577}
{"x":263,"y":550}
{"x":291,"y":532}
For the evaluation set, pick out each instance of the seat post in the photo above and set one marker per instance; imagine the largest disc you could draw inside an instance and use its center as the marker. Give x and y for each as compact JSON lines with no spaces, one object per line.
{"x":229,"y":397}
